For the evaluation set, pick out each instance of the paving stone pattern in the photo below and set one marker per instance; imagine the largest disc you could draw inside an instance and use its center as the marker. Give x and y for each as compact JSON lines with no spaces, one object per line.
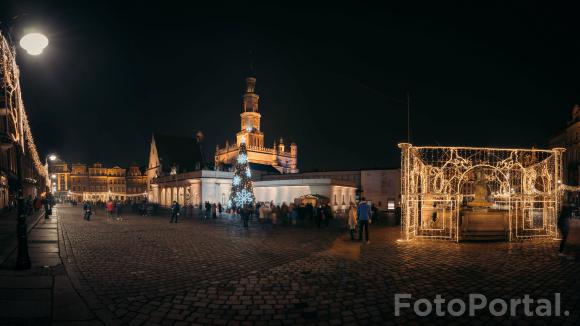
{"x":146,"y":271}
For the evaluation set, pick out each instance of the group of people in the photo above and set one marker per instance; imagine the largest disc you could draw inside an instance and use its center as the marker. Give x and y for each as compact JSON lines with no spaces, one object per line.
{"x":319,"y":213}
{"x":360,"y":216}
{"x":212,"y":210}
{"x":113,"y":208}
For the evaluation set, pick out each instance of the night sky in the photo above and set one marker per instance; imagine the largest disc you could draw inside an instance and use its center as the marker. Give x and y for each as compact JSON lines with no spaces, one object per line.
{"x":330,"y":78}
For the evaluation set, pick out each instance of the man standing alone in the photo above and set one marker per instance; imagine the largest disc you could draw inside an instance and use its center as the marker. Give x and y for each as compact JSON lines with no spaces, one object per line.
{"x":564,"y":225}
{"x":363,"y":213}
{"x":174,"y":212}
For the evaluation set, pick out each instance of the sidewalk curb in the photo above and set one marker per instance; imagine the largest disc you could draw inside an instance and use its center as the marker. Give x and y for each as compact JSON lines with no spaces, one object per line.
{"x":102,"y":314}
{"x":5,"y":254}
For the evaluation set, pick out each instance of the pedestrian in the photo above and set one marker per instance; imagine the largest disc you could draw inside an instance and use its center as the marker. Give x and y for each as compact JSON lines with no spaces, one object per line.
{"x":284,"y":213}
{"x":47,"y":207}
{"x":143,"y":208}
{"x":319,"y":215}
{"x":213,"y":211}
{"x":87,"y":210}
{"x":37,"y":204}
{"x":352,"y":220}
{"x":308,"y":211}
{"x":207,"y":209}
{"x":262,"y":215}
{"x":327,"y":214}
{"x":564,"y":225}
{"x":109,"y":208}
{"x":245,"y":214}
{"x":363,"y":213}
{"x":275,"y":213}
{"x":117,"y":210}
{"x":374,"y":213}
{"x":398,"y":215}
{"x":220,"y":209}
{"x":174,"y":212}
{"x":293,"y":214}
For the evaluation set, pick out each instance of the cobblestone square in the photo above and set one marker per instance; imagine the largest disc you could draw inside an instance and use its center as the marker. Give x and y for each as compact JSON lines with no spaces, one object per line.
{"x":146,"y":271}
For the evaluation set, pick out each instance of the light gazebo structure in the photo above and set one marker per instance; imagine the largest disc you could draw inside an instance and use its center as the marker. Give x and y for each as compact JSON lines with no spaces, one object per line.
{"x":474,"y":193}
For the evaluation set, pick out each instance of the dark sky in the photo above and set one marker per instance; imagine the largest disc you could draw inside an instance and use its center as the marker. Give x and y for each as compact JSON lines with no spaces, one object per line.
{"x":503,"y":74}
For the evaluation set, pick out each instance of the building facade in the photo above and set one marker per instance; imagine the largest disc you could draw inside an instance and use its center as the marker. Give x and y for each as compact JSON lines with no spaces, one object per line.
{"x":382,"y":187}
{"x":282,"y":158}
{"x":60,"y":179}
{"x":172,"y":155}
{"x":80,"y":182}
{"x":196,"y":187}
{"x":568,"y":137}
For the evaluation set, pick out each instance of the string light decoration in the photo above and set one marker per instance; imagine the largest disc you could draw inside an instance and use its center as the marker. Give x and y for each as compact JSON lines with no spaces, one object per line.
{"x":17,"y":127}
{"x":436,"y":182}
{"x":242,"y":191}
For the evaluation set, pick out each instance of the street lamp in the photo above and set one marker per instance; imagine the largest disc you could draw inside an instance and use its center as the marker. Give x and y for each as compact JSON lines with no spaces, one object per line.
{"x":34,"y":44}
{"x":47,"y":159}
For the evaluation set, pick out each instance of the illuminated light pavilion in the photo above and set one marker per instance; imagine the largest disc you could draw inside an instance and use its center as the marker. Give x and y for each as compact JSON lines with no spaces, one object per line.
{"x":474,"y":193}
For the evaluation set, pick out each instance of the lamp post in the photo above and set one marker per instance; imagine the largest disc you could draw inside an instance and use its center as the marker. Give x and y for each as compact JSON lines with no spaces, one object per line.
{"x":173,"y":173}
{"x":49,"y":178}
{"x":33,"y":44}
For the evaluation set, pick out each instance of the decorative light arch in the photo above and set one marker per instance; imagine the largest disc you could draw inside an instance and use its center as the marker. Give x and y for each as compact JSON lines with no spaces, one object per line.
{"x":436,"y":181}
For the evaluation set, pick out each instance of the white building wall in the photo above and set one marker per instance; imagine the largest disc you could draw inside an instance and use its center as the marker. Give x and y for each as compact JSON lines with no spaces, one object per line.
{"x":286,"y":191}
{"x":215,"y":186}
{"x":382,"y":187}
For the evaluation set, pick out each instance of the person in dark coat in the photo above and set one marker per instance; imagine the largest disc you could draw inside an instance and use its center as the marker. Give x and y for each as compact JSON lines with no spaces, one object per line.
{"x":87,"y":210}
{"x":363,"y":213}
{"x":564,"y":225}
{"x":245,"y":214}
{"x":174,"y":212}
{"x":207,"y":210}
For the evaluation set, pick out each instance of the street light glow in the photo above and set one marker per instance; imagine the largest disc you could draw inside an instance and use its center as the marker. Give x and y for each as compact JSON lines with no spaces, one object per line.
{"x":34,"y":43}
{"x":52,"y":157}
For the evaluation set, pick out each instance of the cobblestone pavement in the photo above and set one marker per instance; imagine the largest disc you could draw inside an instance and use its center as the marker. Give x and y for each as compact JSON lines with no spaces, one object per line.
{"x":144,"y":270}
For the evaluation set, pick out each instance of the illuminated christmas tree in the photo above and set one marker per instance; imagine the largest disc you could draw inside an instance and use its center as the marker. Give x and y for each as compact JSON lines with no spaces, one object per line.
{"x":242,"y":191}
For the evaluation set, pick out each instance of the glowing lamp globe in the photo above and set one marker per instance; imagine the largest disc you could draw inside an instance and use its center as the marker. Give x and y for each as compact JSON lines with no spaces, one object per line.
{"x":52,"y":157}
{"x":34,"y":43}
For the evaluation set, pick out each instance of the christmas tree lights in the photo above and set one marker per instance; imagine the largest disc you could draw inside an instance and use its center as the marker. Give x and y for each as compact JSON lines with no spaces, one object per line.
{"x":242,"y":191}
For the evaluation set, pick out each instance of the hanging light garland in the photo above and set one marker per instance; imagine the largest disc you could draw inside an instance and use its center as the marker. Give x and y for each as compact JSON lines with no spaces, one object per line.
{"x":41,"y":168}
{"x":564,"y":187}
{"x":15,"y":105}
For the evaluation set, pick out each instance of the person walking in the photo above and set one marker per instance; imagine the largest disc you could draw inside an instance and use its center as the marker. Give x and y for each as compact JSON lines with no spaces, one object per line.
{"x":316,"y":215}
{"x":327,"y":214}
{"x":213,"y":211}
{"x":174,"y":212}
{"x":117,"y":210}
{"x":363,"y":213}
{"x":352,"y":220}
{"x":564,"y":225}
{"x":293,"y":214}
{"x":245,"y":214}
{"x":220,"y":209}
{"x":109,"y":208}
{"x":87,"y":210}
{"x":207,"y":210}
{"x":262,"y":215}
